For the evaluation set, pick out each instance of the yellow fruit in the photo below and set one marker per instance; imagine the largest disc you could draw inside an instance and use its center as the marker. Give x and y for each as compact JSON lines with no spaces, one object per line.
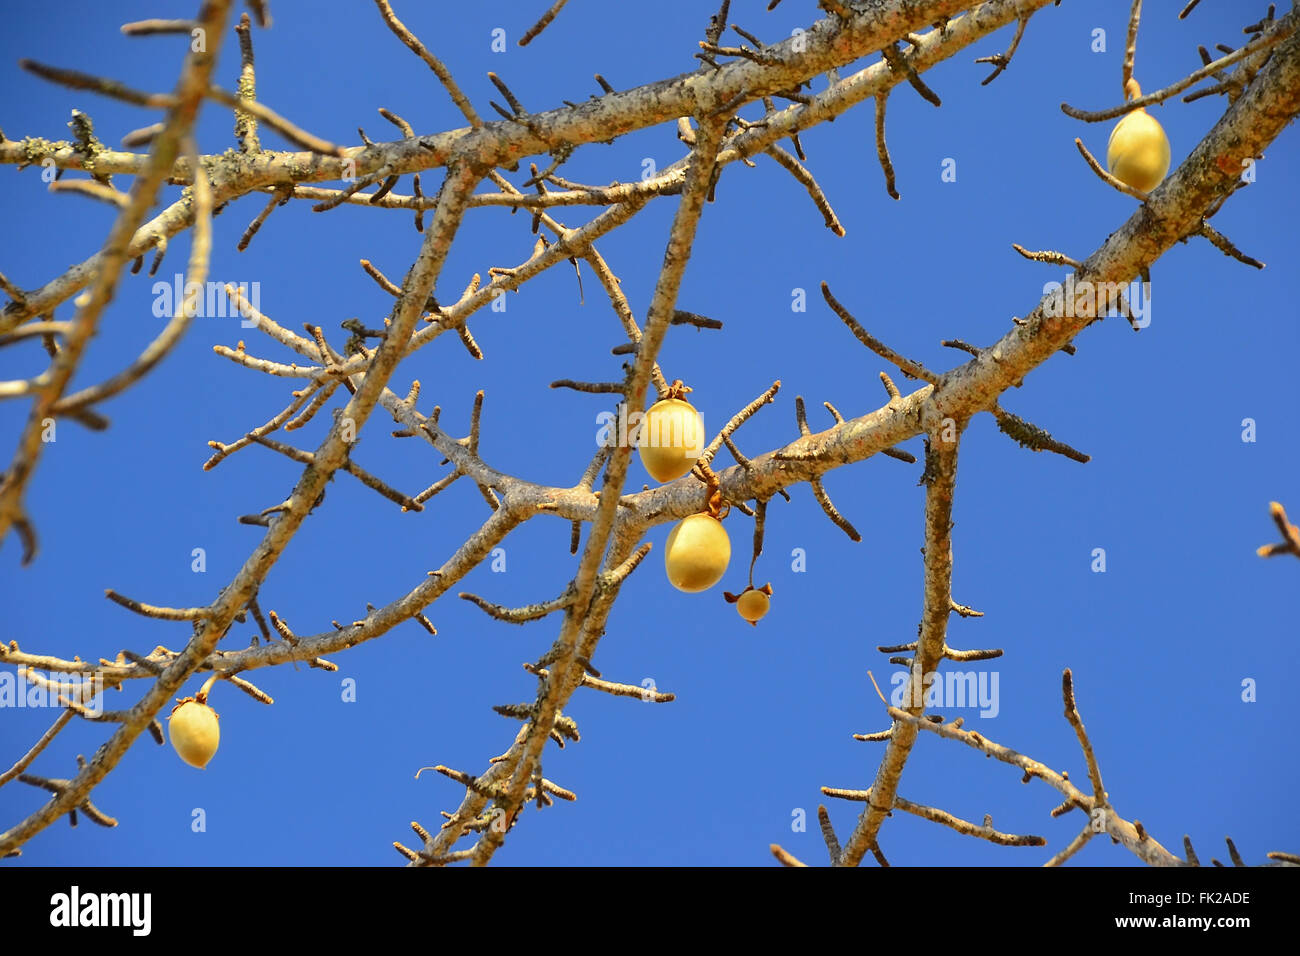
{"x":670,"y":439}
{"x":753,"y":605}
{"x":697,"y":553}
{"x":1138,"y":151}
{"x":194,"y":732}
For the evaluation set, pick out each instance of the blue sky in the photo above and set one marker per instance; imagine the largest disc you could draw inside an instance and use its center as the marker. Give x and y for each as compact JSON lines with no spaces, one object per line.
{"x":1159,"y":644}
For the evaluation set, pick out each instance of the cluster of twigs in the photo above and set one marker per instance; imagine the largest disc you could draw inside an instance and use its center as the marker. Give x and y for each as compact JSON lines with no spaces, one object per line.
{"x":929,"y":650}
{"x":1261,"y":81}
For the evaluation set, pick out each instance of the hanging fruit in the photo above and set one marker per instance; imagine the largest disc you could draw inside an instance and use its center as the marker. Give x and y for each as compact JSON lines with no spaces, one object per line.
{"x":671,"y":436}
{"x":697,"y":553}
{"x":193,"y":727}
{"x":698,"y":549}
{"x":752,"y":603}
{"x":1138,"y":151}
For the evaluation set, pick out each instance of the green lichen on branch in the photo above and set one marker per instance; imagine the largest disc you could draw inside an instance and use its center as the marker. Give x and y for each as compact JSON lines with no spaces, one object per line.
{"x":88,"y":144}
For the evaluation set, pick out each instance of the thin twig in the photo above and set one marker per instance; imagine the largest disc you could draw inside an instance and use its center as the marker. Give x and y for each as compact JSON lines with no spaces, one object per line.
{"x":543,"y":23}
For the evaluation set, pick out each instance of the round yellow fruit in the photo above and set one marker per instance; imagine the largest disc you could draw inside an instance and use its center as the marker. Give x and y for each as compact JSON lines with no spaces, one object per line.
{"x":1138,"y":151}
{"x":194,"y":732}
{"x":753,"y":605}
{"x":697,"y":553}
{"x":670,"y":439}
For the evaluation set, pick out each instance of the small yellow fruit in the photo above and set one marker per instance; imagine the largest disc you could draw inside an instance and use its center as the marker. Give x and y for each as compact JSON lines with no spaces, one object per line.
{"x":1138,"y":151}
{"x":753,"y":605}
{"x":697,"y":553}
{"x":194,"y":732}
{"x":670,"y":439}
